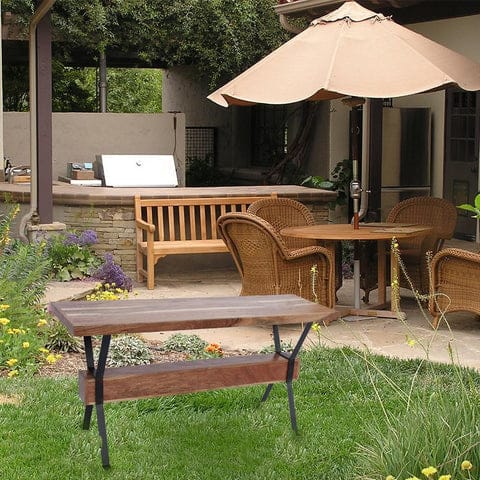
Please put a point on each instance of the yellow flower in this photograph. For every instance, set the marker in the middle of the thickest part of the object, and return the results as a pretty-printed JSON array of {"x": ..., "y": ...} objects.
[
  {"x": 412, "y": 478},
  {"x": 411, "y": 343},
  {"x": 26, "y": 344},
  {"x": 4, "y": 321},
  {"x": 12, "y": 362},
  {"x": 42, "y": 323},
  {"x": 389, "y": 477},
  {"x": 51, "y": 358},
  {"x": 43, "y": 350},
  {"x": 4, "y": 307},
  {"x": 466, "y": 465},
  {"x": 429, "y": 471},
  {"x": 12, "y": 373},
  {"x": 445, "y": 477},
  {"x": 316, "y": 327}
]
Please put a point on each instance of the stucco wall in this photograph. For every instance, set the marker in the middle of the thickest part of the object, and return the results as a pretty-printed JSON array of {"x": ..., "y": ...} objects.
[
  {"x": 183, "y": 92},
  {"x": 78, "y": 137},
  {"x": 459, "y": 34}
]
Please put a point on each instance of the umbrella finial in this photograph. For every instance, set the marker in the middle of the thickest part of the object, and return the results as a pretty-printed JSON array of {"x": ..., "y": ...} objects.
[{"x": 350, "y": 11}]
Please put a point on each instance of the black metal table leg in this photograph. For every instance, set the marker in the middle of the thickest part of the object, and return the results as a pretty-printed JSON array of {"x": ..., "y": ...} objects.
[
  {"x": 87, "y": 417},
  {"x": 290, "y": 370},
  {"x": 278, "y": 349},
  {"x": 100, "y": 370},
  {"x": 98, "y": 374}
]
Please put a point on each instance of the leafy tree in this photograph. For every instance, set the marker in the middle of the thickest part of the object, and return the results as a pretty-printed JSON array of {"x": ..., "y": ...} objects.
[
  {"x": 220, "y": 37},
  {"x": 134, "y": 90}
]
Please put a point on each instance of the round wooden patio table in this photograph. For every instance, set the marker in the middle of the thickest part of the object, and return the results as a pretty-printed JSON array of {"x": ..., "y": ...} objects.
[{"x": 379, "y": 232}]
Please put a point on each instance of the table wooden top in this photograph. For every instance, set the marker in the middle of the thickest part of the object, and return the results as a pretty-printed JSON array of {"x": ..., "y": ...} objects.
[
  {"x": 84, "y": 318},
  {"x": 345, "y": 231}
]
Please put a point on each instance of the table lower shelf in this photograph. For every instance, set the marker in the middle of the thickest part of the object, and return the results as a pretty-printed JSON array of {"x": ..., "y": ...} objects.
[{"x": 153, "y": 380}]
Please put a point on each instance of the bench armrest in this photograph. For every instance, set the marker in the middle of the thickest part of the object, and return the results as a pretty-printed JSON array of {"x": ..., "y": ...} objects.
[{"x": 145, "y": 225}]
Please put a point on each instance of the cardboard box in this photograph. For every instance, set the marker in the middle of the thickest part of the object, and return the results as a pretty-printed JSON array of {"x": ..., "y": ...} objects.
[
  {"x": 20, "y": 179},
  {"x": 82, "y": 175}
]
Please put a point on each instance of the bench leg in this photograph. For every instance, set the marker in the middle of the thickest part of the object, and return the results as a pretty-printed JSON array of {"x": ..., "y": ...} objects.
[
  {"x": 290, "y": 368},
  {"x": 291, "y": 407},
  {"x": 102, "y": 431},
  {"x": 267, "y": 392},
  {"x": 87, "y": 417},
  {"x": 98, "y": 373}
]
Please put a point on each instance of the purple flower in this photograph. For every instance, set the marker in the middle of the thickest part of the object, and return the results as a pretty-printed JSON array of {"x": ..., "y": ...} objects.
[
  {"x": 88, "y": 237},
  {"x": 110, "y": 272},
  {"x": 71, "y": 239}
]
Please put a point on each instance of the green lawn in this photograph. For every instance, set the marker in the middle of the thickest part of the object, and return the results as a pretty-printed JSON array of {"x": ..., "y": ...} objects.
[{"x": 223, "y": 434}]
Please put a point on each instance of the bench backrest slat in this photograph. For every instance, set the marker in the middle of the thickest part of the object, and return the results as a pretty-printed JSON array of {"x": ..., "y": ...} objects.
[
  {"x": 193, "y": 224},
  {"x": 161, "y": 233},
  {"x": 203, "y": 222},
  {"x": 171, "y": 222},
  {"x": 213, "y": 221},
  {"x": 188, "y": 218}
]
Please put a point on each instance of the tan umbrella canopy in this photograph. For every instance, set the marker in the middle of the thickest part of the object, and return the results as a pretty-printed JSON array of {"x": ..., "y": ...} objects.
[{"x": 352, "y": 51}]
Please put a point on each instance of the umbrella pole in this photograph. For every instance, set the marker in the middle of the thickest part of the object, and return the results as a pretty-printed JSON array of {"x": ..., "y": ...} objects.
[{"x": 355, "y": 186}]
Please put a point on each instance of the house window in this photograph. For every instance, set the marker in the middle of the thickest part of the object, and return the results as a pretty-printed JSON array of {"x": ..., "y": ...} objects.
[
  {"x": 269, "y": 134},
  {"x": 462, "y": 133}
]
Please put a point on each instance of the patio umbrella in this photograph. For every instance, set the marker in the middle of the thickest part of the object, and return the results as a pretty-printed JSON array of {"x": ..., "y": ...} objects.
[
  {"x": 351, "y": 52},
  {"x": 354, "y": 52}
]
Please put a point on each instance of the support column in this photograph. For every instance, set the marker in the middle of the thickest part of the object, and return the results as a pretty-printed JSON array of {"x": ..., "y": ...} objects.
[{"x": 44, "y": 120}]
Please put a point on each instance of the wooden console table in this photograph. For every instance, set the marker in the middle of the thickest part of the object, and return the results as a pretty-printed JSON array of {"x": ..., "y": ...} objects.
[{"x": 99, "y": 384}]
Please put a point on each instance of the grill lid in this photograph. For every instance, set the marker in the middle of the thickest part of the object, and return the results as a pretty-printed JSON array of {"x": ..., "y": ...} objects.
[{"x": 136, "y": 170}]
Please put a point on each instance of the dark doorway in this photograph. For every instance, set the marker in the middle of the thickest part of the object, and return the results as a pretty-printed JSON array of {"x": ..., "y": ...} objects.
[{"x": 462, "y": 132}]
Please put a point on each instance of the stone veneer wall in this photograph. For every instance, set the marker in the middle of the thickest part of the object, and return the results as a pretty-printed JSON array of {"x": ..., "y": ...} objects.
[{"x": 115, "y": 227}]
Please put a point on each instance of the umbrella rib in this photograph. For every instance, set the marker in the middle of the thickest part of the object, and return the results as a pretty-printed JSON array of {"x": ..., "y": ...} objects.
[{"x": 333, "y": 56}]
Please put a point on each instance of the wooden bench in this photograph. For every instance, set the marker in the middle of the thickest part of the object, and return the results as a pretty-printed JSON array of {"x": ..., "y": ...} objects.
[
  {"x": 172, "y": 226},
  {"x": 98, "y": 384}
]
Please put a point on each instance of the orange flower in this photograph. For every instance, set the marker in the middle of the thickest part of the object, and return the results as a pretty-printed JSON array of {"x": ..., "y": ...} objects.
[{"x": 214, "y": 348}]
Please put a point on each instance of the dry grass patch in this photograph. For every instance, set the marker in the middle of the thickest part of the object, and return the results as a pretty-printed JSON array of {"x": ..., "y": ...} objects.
[{"x": 10, "y": 399}]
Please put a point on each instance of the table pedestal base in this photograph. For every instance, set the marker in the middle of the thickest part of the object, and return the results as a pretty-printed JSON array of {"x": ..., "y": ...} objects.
[{"x": 365, "y": 313}]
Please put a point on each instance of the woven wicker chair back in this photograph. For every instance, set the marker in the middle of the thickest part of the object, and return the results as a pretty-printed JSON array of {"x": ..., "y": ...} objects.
[
  {"x": 435, "y": 212},
  {"x": 282, "y": 213},
  {"x": 268, "y": 267}
]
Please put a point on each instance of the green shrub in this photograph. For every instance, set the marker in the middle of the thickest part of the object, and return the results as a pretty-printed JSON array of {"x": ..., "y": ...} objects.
[
  {"x": 127, "y": 350},
  {"x": 180, "y": 342},
  {"x": 24, "y": 273},
  {"x": 59, "y": 339},
  {"x": 72, "y": 256}
]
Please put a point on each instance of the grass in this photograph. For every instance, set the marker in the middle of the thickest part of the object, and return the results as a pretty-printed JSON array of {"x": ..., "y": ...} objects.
[{"x": 222, "y": 434}]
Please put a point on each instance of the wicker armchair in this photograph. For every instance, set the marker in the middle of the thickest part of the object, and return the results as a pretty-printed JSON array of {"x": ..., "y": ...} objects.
[
  {"x": 455, "y": 283},
  {"x": 434, "y": 212},
  {"x": 281, "y": 213},
  {"x": 268, "y": 267}
]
